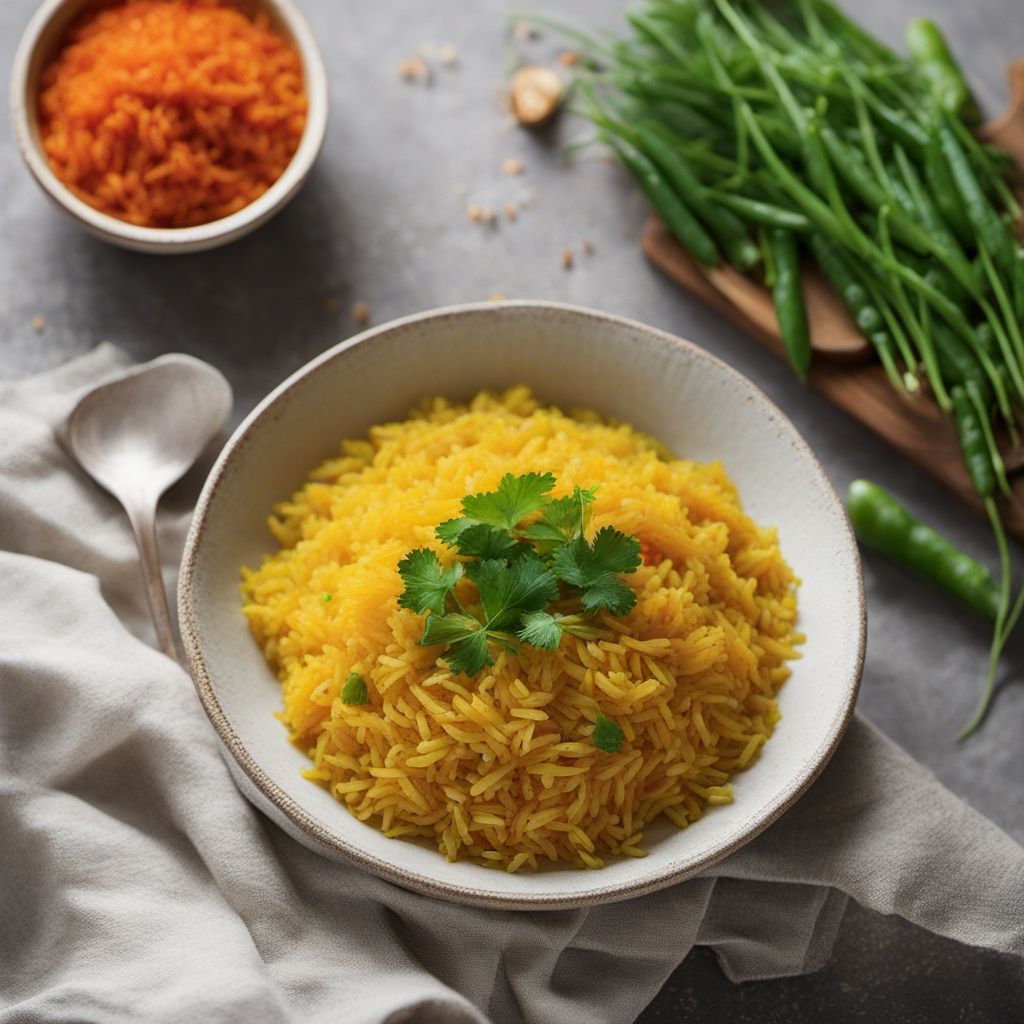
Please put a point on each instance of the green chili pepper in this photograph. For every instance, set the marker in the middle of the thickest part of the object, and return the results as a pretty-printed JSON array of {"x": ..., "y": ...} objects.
[
  {"x": 936, "y": 227},
  {"x": 883, "y": 523},
  {"x": 683, "y": 225},
  {"x": 943, "y": 192},
  {"x": 983, "y": 218},
  {"x": 973, "y": 445},
  {"x": 902, "y": 128},
  {"x": 958, "y": 363},
  {"x": 784, "y": 258},
  {"x": 729, "y": 231},
  {"x": 1018, "y": 281},
  {"x": 865, "y": 313},
  {"x": 759, "y": 212},
  {"x": 929, "y": 52}
]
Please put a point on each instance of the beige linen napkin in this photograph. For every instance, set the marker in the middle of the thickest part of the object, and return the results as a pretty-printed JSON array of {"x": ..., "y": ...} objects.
[{"x": 137, "y": 884}]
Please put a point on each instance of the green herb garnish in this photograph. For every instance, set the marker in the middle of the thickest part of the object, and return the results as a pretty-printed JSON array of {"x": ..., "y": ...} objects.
[
  {"x": 607, "y": 736},
  {"x": 595, "y": 568},
  {"x": 519, "y": 569},
  {"x": 326, "y": 597},
  {"x": 355, "y": 692}
]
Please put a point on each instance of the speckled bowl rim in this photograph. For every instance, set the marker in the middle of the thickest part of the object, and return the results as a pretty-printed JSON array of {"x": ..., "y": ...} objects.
[
  {"x": 474, "y": 895},
  {"x": 201, "y": 236}
]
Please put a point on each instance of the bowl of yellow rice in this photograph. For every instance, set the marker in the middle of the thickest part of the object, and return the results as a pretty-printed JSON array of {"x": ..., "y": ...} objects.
[{"x": 683, "y": 695}]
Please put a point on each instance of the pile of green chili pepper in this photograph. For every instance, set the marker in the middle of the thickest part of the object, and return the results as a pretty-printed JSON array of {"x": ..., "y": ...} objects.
[{"x": 767, "y": 133}]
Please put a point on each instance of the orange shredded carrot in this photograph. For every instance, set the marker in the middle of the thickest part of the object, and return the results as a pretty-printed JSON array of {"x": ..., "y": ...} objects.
[{"x": 170, "y": 113}]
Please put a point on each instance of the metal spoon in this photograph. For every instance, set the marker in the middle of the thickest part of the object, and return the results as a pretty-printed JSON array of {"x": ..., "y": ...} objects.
[{"x": 140, "y": 433}]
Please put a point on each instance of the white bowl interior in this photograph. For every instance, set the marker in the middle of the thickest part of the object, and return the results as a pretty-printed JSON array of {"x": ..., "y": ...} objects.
[
  {"x": 38, "y": 46},
  {"x": 674, "y": 391}
]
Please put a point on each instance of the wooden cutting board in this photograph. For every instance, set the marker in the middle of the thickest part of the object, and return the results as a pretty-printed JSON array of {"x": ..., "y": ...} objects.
[{"x": 843, "y": 368}]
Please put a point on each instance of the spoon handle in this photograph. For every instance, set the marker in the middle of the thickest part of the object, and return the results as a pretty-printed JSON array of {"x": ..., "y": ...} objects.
[{"x": 143, "y": 522}]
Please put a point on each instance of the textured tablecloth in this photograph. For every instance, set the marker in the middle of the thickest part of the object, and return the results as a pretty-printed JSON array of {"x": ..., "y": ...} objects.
[{"x": 137, "y": 884}]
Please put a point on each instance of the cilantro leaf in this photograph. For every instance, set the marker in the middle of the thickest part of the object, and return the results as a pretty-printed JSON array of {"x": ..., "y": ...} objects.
[
  {"x": 469, "y": 655},
  {"x": 448, "y": 629},
  {"x": 527, "y": 585},
  {"x": 427, "y": 582},
  {"x": 563, "y": 519},
  {"x": 484, "y": 541},
  {"x": 448, "y": 531},
  {"x": 465, "y": 640},
  {"x": 355, "y": 691},
  {"x": 515, "y": 498},
  {"x": 594, "y": 568},
  {"x": 484, "y": 573},
  {"x": 517, "y": 572},
  {"x": 607, "y": 736},
  {"x": 541, "y": 630}
]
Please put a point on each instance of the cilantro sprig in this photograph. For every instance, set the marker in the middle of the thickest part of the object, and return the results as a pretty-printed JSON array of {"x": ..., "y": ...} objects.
[{"x": 523, "y": 551}]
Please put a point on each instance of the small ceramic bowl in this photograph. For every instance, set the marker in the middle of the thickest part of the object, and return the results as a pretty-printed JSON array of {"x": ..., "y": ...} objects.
[
  {"x": 38, "y": 46},
  {"x": 571, "y": 357}
]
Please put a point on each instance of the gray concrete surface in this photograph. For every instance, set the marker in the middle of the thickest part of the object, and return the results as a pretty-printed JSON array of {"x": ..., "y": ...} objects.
[{"x": 382, "y": 220}]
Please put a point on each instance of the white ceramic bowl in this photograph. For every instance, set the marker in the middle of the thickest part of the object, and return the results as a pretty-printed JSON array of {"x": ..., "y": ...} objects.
[
  {"x": 38, "y": 45},
  {"x": 669, "y": 388}
]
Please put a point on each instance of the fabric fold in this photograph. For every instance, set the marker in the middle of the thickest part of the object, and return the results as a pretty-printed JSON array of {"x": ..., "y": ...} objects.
[{"x": 139, "y": 884}]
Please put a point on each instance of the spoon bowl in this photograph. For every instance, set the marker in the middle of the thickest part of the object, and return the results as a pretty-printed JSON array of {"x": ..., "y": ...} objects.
[{"x": 139, "y": 434}]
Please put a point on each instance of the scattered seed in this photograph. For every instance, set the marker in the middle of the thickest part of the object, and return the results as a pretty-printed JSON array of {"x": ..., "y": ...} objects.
[
  {"x": 488, "y": 215},
  {"x": 361, "y": 314},
  {"x": 495, "y": 297},
  {"x": 513, "y": 165},
  {"x": 586, "y": 247},
  {"x": 535, "y": 95},
  {"x": 568, "y": 58},
  {"x": 413, "y": 69},
  {"x": 474, "y": 212},
  {"x": 511, "y": 211},
  {"x": 448, "y": 55},
  {"x": 567, "y": 258},
  {"x": 524, "y": 31},
  {"x": 39, "y": 323},
  {"x": 331, "y": 304}
]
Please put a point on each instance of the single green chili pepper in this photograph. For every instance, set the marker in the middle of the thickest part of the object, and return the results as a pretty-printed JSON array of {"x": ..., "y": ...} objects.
[
  {"x": 973, "y": 445},
  {"x": 865, "y": 313},
  {"x": 1018, "y": 281},
  {"x": 759, "y": 212},
  {"x": 958, "y": 363},
  {"x": 881, "y": 522},
  {"x": 728, "y": 230},
  {"x": 784, "y": 258},
  {"x": 987, "y": 340},
  {"x": 929, "y": 51},
  {"x": 932, "y": 220},
  {"x": 900, "y": 127},
  {"x": 943, "y": 192},
  {"x": 980, "y": 402},
  {"x": 678, "y": 219},
  {"x": 983, "y": 218}
]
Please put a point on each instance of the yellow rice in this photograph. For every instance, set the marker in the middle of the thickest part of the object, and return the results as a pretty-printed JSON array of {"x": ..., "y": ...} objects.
[{"x": 501, "y": 768}]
